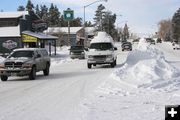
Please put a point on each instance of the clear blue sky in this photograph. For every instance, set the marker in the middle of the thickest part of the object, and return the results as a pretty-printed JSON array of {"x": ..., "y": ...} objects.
[{"x": 141, "y": 15}]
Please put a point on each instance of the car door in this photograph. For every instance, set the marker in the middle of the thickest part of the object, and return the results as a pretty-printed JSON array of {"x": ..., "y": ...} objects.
[{"x": 38, "y": 60}]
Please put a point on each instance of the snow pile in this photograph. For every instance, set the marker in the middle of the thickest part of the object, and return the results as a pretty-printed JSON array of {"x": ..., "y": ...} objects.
[
  {"x": 145, "y": 66},
  {"x": 102, "y": 37},
  {"x": 62, "y": 56}
]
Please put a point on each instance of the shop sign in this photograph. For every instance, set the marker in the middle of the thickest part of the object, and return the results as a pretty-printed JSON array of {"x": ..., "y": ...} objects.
[
  {"x": 9, "y": 44},
  {"x": 27, "y": 38}
]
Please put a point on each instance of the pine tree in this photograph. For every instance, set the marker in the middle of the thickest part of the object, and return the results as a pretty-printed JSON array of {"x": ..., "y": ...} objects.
[
  {"x": 176, "y": 26},
  {"x": 126, "y": 32},
  {"x": 29, "y": 6},
  {"x": 54, "y": 16},
  {"x": 21, "y": 8},
  {"x": 38, "y": 12},
  {"x": 98, "y": 17},
  {"x": 44, "y": 13},
  {"x": 88, "y": 24},
  {"x": 108, "y": 22}
]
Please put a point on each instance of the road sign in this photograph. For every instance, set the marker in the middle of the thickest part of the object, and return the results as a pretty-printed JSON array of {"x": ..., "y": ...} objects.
[{"x": 68, "y": 14}]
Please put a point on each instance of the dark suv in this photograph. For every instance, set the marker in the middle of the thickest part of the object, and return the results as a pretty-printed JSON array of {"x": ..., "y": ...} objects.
[
  {"x": 25, "y": 61},
  {"x": 126, "y": 46},
  {"x": 77, "y": 52}
]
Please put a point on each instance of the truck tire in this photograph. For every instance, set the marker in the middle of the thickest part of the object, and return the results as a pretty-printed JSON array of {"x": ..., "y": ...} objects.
[
  {"x": 32, "y": 75},
  {"x": 113, "y": 64},
  {"x": 4, "y": 78},
  {"x": 46, "y": 71},
  {"x": 89, "y": 66}
]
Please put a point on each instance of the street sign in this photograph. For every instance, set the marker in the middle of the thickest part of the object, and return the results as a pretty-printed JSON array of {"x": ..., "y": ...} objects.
[{"x": 68, "y": 14}]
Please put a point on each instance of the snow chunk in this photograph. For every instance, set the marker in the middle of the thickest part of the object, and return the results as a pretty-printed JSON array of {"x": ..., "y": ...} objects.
[
  {"x": 146, "y": 66},
  {"x": 102, "y": 37}
]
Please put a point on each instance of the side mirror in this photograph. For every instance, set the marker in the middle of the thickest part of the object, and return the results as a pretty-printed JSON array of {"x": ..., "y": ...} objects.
[
  {"x": 38, "y": 56},
  {"x": 115, "y": 48},
  {"x": 86, "y": 49}
]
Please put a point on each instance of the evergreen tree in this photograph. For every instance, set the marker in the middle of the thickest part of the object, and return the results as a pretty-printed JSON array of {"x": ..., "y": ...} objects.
[
  {"x": 98, "y": 17},
  {"x": 108, "y": 22},
  {"x": 88, "y": 24},
  {"x": 21, "y": 8},
  {"x": 176, "y": 26},
  {"x": 29, "y": 6},
  {"x": 54, "y": 16},
  {"x": 44, "y": 13},
  {"x": 126, "y": 32},
  {"x": 38, "y": 12}
]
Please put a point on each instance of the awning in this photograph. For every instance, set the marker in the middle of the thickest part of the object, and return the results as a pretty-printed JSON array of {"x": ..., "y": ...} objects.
[{"x": 28, "y": 36}]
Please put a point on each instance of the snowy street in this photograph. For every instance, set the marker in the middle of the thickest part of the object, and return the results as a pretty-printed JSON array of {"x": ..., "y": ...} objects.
[{"x": 74, "y": 92}]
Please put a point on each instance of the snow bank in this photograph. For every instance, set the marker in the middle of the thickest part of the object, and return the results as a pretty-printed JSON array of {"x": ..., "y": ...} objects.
[
  {"x": 145, "y": 66},
  {"x": 62, "y": 56},
  {"x": 102, "y": 37}
]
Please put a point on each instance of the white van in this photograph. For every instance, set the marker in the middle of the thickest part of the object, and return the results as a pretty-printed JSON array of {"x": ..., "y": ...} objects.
[{"x": 101, "y": 51}]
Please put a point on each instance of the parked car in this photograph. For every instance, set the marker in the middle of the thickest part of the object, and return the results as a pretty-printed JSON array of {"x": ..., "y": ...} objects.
[
  {"x": 159, "y": 40},
  {"x": 77, "y": 52},
  {"x": 150, "y": 40},
  {"x": 136, "y": 40},
  {"x": 25, "y": 62},
  {"x": 101, "y": 51},
  {"x": 126, "y": 46},
  {"x": 176, "y": 46},
  {"x": 153, "y": 42}
]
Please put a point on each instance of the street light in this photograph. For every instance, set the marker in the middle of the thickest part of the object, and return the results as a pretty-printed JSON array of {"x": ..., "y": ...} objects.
[{"x": 89, "y": 5}]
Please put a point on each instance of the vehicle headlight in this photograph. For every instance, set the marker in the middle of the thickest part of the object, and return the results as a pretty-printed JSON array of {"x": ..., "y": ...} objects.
[
  {"x": 90, "y": 56},
  {"x": 2, "y": 66},
  {"x": 109, "y": 56},
  {"x": 27, "y": 65}
]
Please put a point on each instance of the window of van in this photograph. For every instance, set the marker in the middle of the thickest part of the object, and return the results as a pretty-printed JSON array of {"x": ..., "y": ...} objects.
[{"x": 101, "y": 46}]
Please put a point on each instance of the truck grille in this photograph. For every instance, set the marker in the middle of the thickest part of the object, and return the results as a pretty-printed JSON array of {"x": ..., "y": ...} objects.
[
  {"x": 13, "y": 64},
  {"x": 99, "y": 57}
]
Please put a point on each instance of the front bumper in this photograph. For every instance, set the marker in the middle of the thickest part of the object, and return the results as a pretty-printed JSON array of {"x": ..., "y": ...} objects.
[
  {"x": 101, "y": 61},
  {"x": 15, "y": 72}
]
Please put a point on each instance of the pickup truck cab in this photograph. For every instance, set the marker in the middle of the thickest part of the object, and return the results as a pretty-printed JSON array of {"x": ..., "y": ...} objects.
[
  {"x": 25, "y": 61},
  {"x": 101, "y": 51}
]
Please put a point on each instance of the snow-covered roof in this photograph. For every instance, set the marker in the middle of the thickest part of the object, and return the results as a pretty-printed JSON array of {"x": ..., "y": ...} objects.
[
  {"x": 90, "y": 30},
  {"x": 13, "y": 14},
  {"x": 102, "y": 37},
  {"x": 73, "y": 30},
  {"x": 39, "y": 35},
  {"x": 13, "y": 31}
]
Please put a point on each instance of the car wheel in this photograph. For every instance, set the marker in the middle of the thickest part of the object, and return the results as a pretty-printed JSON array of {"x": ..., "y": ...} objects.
[
  {"x": 4, "y": 78},
  {"x": 89, "y": 66},
  {"x": 122, "y": 49},
  {"x": 113, "y": 64},
  {"x": 32, "y": 75},
  {"x": 46, "y": 71}
]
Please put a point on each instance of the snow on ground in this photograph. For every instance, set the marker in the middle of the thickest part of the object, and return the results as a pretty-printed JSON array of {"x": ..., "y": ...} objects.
[
  {"x": 62, "y": 56},
  {"x": 139, "y": 89}
]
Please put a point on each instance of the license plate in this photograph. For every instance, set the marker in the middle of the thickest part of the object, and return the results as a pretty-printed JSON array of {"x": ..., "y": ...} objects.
[{"x": 13, "y": 74}]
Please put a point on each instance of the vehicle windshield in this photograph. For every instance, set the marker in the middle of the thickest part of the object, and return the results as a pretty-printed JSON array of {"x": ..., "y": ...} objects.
[
  {"x": 77, "y": 47},
  {"x": 101, "y": 46},
  {"x": 19, "y": 54}
]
